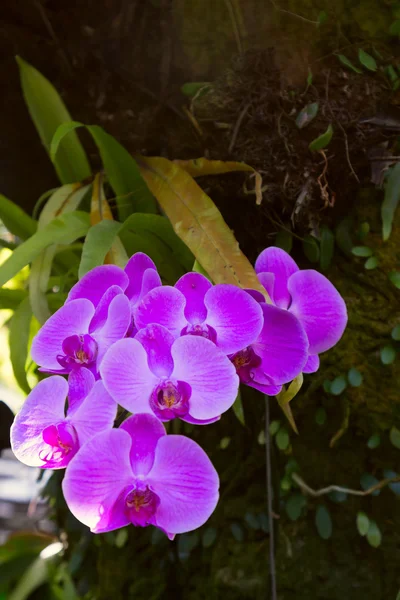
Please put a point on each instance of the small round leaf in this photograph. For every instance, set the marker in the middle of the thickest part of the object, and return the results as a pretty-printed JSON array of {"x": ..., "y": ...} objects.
[
  {"x": 323, "y": 522},
  {"x": 362, "y": 523},
  {"x": 374, "y": 535},
  {"x": 338, "y": 385},
  {"x": 355, "y": 378},
  {"x": 388, "y": 354}
]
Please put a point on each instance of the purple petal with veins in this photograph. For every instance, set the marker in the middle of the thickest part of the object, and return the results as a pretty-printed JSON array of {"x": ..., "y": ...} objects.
[{"x": 141, "y": 476}]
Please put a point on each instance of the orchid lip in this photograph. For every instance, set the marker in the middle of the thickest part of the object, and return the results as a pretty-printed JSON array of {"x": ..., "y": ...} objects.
[
  {"x": 62, "y": 440},
  {"x": 170, "y": 400},
  {"x": 244, "y": 361},
  {"x": 78, "y": 350},
  {"x": 201, "y": 330},
  {"x": 141, "y": 504}
]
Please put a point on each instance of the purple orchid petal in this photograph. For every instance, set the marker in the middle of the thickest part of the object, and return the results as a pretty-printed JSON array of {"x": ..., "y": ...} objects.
[
  {"x": 282, "y": 347},
  {"x": 185, "y": 482},
  {"x": 279, "y": 263},
  {"x": 157, "y": 342},
  {"x": 95, "y": 479},
  {"x": 193, "y": 421},
  {"x": 268, "y": 390},
  {"x": 312, "y": 364},
  {"x": 145, "y": 431},
  {"x": 71, "y": 319},
  {"x": 211, "y": 376},
  {"x": 258, "y": 297},
  {"x": 194, "y": 287},
  {"x": 143, "y": 277},
  {"x": 319, "y": 307},
  {"x": 165, "y": 306},
  {"x": 116, "y": 326},
  {"x": 80, "y": 382},
  {"x": 127, "y": 377},
  {"x": 43, "y": 408},
  {"x": 100, "y": 316},
  {"x": 95, "y": 414},
  {"x": 268, "y": 281},
  {"x": 234, "y": 315},
  {"x": 96, "y": 282}
]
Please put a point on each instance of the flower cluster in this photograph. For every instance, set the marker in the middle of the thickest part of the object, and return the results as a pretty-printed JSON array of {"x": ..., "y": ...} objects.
[{"x": 162, "y": 352}]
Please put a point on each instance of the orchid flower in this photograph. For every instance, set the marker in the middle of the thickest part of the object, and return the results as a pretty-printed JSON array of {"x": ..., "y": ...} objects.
[
  {"x": 42, "y": 435},
  {"x": 222, "y": 313},
  {"x": 309, "y": 296},
  {"x": 103, "y": 283},
  {"x": 277, "y": 356},
  {"x": 137, "y": 474},
  {"x": 189, "y": 377}
]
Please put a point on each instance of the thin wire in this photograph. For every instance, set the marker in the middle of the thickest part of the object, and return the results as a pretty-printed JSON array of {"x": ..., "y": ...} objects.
[{"x": 272, "y": 569}]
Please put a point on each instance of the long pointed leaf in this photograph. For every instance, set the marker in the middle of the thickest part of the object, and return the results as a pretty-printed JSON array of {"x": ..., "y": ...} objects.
[
  {"x": 198, "y": 167},
  {"x": 48, "y": 111},
  {"x": 391, "y": 200},
  {"x": 18, "y": 342},
  {"x": 124, "y": 176},
  {"x": 286, "y": 395},
  {"x": 64, "y": 230},
  {"x": 15, "y": 219},
  {"x": 64, "y": 200},
  {"x": 198, "y": 222}
]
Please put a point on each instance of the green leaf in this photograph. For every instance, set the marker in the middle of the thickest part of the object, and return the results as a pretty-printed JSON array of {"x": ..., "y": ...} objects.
[
  {"x": 343, "y": 235},
  {"x": 286, "y": 395},
  {"x": 327, "y": 386},
  {"x": 374, "y": 441},
  {"x": 209, "y": 537},
  {"x": 35, "y": 576},
  {"x": 355, "y": 378},
  {"x": 197, "y": 268},
  {"x": 396, "y": 333},
  {"x": 394, "y": 28},
  {"x": 122, "y": 537},
  {"x": 252, "y": 521},
  {"x": 65, "y": 199},
  {"x": 48, "y": 111},
  {"x": 19, "y": 334},
  {"x": 327, "y": 247},
  {"x": 338, "y": 385},
  {"x": 63, "y": 230},
  {"x": 311, "y": 248},
  {"x": 11, "y": 299},
  {"x": 323, "y": 522},
  {"x": 63, "y": 130},
  {"x": 238, "y": 408},
  {"x": 367, "y": 481},
  {"x": 132, "y": 193},
  {"x": 192, "y": 88},
  {"x": 394, "y": 437},
  {"x": 371, "y": 263},
  {"x": 282, "y": 439},
  {"x": 322, "y": 18},
  {"x": 394, "y": 277},
  {"x": 362, "y": 251},
  {"x": 322, "y": 141},
  {"x": 367, "y": 60},
  {"x": 388, "y": 354},
  {"x": 294, "y": 506},
  {"x": 97, "y": 244},
  {"x": 374, "y": 535},
  {"x": 274, "y": 427},
  {"x": 15, "y": 219},
  {"x": 390, "y": 201},
  {"x": 307, "y": 114},
  {"x": 320, "y": 416},
  {"x": 237, "y": 532},
  {"x": 363, "y": 230},
  {"x": 284, "y": 240},
  {"x": 347, "y": 63},
  {"x": 362, "y": 523}
]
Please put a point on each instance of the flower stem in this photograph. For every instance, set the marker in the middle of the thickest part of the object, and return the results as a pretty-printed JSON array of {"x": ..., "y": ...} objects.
[{"x": 272, "y": 569}]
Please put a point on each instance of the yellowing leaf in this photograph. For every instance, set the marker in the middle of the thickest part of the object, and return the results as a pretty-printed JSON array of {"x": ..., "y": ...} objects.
[
  {"x": 100, "y": 211},
  {"x": 198, "y": 222},
  {"x": 199, "y": 167},
  {"x": 286, "y": 395}
]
